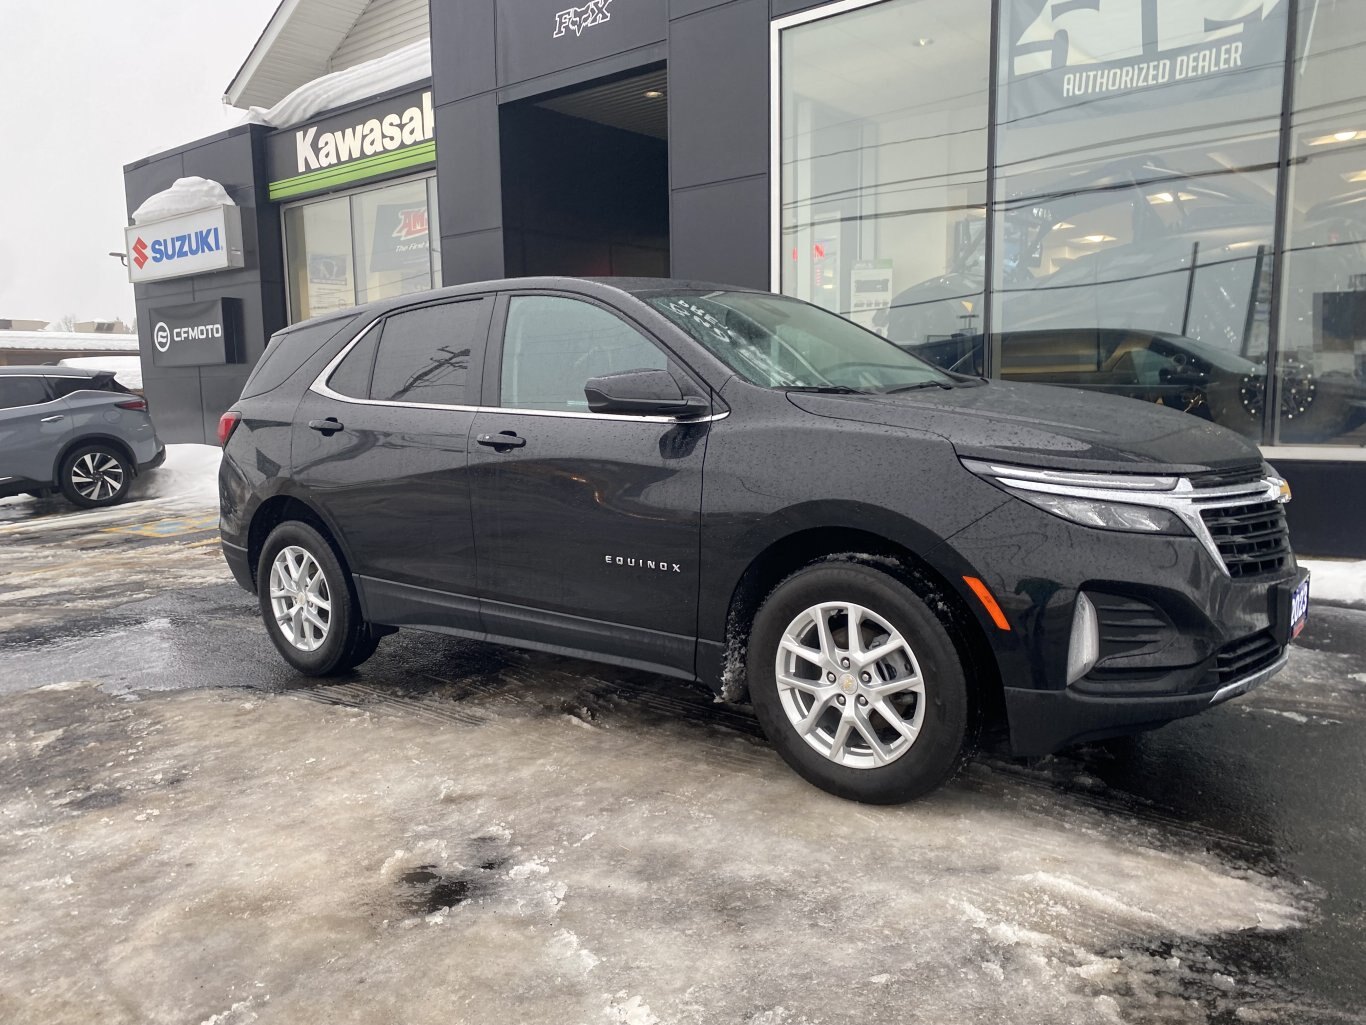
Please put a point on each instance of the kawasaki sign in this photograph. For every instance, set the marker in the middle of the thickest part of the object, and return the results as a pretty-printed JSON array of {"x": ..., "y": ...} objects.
[
  {"x": 177, "y": 247},
  {"x": 377, "y": 139}
]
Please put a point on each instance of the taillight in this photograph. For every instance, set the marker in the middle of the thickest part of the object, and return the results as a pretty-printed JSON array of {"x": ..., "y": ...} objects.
[
  {"x": 227, "y": 423},
  {"x": 137, "y": 405}
]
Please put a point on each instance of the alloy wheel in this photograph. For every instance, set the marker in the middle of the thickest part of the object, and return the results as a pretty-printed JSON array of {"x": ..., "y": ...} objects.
[
  {"x": 97, "y": 476},
  {"x": 850, "y": 685},
  {"x": 300, "y": 599}
]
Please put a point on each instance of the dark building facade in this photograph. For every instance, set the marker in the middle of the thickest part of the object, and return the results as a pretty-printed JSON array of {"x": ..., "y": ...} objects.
[{"x": 1164, "y": 199}]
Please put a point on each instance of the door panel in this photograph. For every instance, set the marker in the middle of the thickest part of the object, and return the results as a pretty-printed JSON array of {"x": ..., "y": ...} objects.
[
  {"x": 391, "y": 473},
  {"x": 592, "y": 521},
  {"x": 33, "y": 429}
]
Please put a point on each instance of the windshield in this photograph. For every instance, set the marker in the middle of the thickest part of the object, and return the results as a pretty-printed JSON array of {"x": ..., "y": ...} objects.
[{"x": 776, "y": 342}]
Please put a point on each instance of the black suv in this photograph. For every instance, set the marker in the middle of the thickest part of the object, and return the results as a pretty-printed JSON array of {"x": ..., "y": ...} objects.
[{"x": 740, "y": 488}]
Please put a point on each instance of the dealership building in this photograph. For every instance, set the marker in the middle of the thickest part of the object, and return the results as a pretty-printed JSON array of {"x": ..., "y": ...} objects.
[{"x": 1164, "y": 199}]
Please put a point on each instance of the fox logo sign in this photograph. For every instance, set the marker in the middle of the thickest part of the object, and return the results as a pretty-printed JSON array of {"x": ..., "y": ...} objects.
[{"x": 576, "y": 19}]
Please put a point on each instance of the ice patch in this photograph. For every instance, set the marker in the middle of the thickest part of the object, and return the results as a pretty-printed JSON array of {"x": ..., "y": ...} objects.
[
  {"x": 622, "y": 1010},
  {"x": 567, "y": 946}
]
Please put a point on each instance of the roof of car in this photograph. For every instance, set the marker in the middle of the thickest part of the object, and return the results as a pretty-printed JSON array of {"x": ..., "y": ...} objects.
[
  {"x": 587, "y": 286},
  {"x": 50, "y": 372}
]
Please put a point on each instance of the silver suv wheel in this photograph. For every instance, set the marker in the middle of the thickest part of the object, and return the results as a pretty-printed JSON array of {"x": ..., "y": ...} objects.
[
  {"x": 300, "y": 598},
  {"x": 97, "y": 476},
  {"x": 850, "y": 685}
]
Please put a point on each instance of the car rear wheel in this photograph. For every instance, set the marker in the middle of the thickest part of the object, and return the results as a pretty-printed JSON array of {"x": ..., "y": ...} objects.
[
  {"x": 859, "y": 685},
  {"x": 96, "y": 475},
  {"x": 308, "y": 603}
]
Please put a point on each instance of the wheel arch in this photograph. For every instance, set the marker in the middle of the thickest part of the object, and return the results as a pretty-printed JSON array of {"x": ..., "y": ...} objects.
[
  {"x": 281, "y": 508},
  {"x": 92, "y": 439},
  {"x": 812, "y": 544}
]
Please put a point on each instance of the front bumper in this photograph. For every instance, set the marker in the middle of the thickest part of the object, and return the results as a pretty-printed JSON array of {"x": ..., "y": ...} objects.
[{"x": 1178, "y": 634}]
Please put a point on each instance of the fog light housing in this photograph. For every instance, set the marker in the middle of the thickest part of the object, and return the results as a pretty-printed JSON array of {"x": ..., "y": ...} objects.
[{"x": 1083, "y": 649}]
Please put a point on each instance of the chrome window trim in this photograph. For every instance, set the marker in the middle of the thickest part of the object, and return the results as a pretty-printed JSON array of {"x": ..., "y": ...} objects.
[
  {"x": 320, "y": 387},
  {"x": 1247, "y": 683},
  {"x": 1184, "y": 501}
]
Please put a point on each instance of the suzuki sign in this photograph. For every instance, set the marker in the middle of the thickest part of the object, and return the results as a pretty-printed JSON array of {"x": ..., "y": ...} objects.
[{"x": 176, "y": 247}]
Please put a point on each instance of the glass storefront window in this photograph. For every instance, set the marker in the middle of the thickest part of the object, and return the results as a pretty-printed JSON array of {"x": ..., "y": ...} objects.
[
  {"x": 318, "y": 248},
  {"x": 1322, "y": 350},
  {"x": 373, "y": 244},
  {"x": 884, "y": 152},
  {"x": 393, "y": 254},
  {"x": 1137, "y": 149}
]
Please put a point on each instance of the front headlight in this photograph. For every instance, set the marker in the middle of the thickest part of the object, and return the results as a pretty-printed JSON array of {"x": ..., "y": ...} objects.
[
  {"x": 1106, "y": 501},
  {"x": 1106, "y": 515}
]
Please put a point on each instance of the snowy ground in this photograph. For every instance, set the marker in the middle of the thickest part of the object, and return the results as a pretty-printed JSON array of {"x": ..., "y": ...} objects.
[{"x": 459, "y": 834}]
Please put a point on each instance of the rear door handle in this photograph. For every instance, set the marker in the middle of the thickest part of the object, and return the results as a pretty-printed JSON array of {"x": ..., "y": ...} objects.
[
  {"x": 51, "y": 419},
  {"x": 507, "y": 439},
  {"x": 327, "y": 427}
]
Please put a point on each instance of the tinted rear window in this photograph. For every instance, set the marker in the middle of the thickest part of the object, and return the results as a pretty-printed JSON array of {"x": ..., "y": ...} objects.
[
  {"x": 22, "y": 391},
  {"x": 64, "y": 386},
  {"x": 290, "y": 350}
]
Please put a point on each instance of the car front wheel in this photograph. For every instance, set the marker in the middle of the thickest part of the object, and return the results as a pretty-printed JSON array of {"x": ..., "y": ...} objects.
[
  {"x": 95, "y": 476},
  {"x": 858, "y": 684},
  {"x": 309, "y": 604}
]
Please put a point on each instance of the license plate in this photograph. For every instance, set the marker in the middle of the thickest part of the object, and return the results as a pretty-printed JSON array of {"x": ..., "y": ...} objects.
[{"x": 1299, "y": 609}]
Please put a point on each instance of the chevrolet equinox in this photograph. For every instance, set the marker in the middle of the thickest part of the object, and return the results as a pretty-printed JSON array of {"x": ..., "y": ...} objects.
[{"x": 725, "y": 485}]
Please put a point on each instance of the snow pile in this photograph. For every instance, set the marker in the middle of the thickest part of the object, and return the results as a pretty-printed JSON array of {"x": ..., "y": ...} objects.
[
  {"x": 1336, "y": 580},
  {"x": 185, "y": 196},
  {"x": 127, "y": 370},
  {"x": 189, "y": 476},
  {"x": 404, "y": 66}
]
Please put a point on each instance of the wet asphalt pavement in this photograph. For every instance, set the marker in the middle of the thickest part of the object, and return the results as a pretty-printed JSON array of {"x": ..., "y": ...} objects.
[{"x": 1273, "y": 784}]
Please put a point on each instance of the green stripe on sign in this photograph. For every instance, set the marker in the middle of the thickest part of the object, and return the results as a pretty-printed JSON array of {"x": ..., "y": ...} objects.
[{"x": 356, "y": 170}]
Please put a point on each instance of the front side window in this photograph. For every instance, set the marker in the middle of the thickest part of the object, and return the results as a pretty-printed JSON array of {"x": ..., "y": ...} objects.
[
  {"x": 424, "y": 354},
  {"x": 783, "y": 343},
  {"x": 22, "y": 391},
  {"x": 553, "y": 346}
]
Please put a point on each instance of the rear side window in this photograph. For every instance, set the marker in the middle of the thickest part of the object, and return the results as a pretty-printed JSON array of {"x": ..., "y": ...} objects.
[
  {"x": 22, "y": 391},
  {"x": 64, "y": 386},
  {"x": 352, "y": 376},
  {"x": 424, "y": 354},
  {"x": 290, "y": 350}
]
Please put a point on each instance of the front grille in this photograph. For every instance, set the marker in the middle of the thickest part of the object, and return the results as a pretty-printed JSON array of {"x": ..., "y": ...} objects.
[
  {"x": 1252, "y": 539},
  {"x": 1244, "y": 657}
]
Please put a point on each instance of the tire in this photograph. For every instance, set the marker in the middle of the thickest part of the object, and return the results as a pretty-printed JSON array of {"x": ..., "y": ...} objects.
[
  {"x": 95, "y": 476},
  {"x": 921, "y": 682},
  {"x": 324, "y": 612}
]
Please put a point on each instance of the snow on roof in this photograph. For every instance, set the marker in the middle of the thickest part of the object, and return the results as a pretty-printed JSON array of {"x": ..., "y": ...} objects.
[
  {"x": 296, "y": 45},
  {"x": 185, "y": 196},
  {"x": 404, "y": 66},
  {"x": 68, "y": 341}
]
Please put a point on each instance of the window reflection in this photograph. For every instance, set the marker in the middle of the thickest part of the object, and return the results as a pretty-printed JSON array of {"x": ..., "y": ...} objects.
[
  {"x": 884, "y": 115},
  {"x": 1322, "y": 362}
]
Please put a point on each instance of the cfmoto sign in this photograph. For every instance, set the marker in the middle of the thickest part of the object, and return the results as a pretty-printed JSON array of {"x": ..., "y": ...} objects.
[{"x": 196, "y": 334}]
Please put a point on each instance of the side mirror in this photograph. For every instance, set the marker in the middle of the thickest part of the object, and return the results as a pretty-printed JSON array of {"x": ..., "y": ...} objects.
[{"x": 643, "y": 393}]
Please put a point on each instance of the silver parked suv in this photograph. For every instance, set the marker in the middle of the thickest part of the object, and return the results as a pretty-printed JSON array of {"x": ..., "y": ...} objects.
[{"x": 77, "y": 431}]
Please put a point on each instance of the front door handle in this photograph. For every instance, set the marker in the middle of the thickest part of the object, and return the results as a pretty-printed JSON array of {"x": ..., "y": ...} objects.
[
  {"x": 507, "y": 439},
  {"x": 51, "y": 419},
  {"x": 327, "y": 427}
]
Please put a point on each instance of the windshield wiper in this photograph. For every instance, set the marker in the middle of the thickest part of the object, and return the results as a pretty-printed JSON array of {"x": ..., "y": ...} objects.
[
  {"x": 946, "y": 385},
  {"x": 826, "y": 389}
]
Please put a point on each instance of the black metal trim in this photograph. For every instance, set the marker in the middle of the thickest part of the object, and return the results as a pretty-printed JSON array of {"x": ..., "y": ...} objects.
[
  {"x": 989, "y": 250},
  {"x": 1271, "y": 407}
]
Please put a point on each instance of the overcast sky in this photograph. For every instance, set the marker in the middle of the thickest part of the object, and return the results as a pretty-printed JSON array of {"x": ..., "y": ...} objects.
[{"x": 87, "y": 86}]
